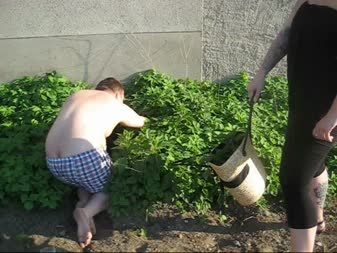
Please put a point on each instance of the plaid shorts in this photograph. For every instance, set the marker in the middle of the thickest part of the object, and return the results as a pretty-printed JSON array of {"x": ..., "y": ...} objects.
[{"x": 90, "y": 170}]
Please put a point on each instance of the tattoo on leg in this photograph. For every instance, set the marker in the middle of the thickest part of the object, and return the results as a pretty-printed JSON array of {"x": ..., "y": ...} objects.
[{"x": 320, "y": 194}]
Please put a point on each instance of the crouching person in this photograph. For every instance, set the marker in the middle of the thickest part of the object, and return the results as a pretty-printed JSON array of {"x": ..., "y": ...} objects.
[{"x": 76, "y": 147}]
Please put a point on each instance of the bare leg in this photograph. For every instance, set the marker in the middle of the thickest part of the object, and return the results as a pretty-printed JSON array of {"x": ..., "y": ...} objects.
[
  {"x": 84, "y": 197},
  {"x": 96, "y": 204},
  {"x": 302, "y": 240},
  {"x": 320, "y": 189},
  {"x": 84, "y": 233}
]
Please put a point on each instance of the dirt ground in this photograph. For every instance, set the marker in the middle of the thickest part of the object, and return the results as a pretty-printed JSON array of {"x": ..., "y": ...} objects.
[{"x": 166, "y": 230}]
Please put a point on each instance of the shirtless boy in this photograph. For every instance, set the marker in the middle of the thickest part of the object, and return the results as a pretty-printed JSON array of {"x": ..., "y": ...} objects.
[{"x": 76, "y": 147}]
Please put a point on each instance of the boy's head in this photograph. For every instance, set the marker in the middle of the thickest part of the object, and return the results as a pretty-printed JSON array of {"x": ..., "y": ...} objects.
[{"x": 110, "y": 84}]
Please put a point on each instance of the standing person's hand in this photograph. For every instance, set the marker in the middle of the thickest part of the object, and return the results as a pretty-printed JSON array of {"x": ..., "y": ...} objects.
[
  {"x": 324, "y": 127},
  {"x": 256, "y": 85}
]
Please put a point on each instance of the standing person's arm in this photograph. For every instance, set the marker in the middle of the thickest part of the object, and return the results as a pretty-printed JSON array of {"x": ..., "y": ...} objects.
[
  {"x": 276, "y": 52},
  {"x": 324, "y": 127}
]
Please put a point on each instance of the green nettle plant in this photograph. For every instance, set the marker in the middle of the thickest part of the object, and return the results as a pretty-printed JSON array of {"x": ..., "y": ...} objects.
[
  {"x": 166, "y": 160},
  {"x": 28, "y": 108},
  {"x": 187, "y": 119}
]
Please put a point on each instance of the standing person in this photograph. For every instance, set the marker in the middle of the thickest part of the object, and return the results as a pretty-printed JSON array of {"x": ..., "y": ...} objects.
[
  {"x": 76, "y": 147},
  {"x": 309, "y": 39}
]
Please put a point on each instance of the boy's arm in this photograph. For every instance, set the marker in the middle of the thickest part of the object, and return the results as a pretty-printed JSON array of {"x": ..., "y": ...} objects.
[{"x": 130, "y": 118}]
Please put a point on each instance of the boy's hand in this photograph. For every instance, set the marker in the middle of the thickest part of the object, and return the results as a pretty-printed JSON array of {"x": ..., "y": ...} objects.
[{"x": 145, "y": 120}]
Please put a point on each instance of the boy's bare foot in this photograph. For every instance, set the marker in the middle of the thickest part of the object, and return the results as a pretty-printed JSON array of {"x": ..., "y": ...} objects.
[
  {"x": 92, "y": 226},
  {"x": 83, "y": 227},
  {"x": 81, "y": 204}
]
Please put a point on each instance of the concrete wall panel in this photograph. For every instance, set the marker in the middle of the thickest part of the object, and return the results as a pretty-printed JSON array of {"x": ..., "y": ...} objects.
[
  {"x": 37, "y": 18},
  {"x": 88, "y": 39},
  {"x": 93, "y": 57},
  {"x": 238, "y": 33}
]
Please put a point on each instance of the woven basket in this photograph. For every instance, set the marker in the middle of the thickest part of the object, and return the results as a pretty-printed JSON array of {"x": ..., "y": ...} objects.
[{"x": 243, "y": 174}]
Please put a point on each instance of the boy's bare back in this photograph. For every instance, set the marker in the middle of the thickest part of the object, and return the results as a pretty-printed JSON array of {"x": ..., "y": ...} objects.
[{"x": 85, "y": 120}]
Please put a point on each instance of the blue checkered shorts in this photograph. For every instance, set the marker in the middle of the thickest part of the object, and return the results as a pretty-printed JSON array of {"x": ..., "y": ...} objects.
[{"x": 90, "y": 170}]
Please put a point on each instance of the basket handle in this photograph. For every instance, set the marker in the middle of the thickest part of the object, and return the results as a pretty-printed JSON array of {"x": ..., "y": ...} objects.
[{"x": 249, "y": 124}]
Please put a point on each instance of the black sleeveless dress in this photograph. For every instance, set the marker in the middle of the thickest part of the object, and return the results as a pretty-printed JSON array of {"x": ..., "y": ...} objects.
[
  {"x": 312, "y": 59},
  {"x": 312, "y": 80}
]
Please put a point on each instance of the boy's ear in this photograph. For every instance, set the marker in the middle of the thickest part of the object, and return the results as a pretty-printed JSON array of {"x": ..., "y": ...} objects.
[{"x": 119, "y": 96}]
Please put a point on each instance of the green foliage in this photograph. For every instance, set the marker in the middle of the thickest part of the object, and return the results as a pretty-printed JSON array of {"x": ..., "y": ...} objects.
[
  {"x": 189, "y": 118},
  {"x": 142, "y": 232},
  {"x": 28, "y": 108},
  {"x": 186, "y": 119},
  {"x": 332, "y": 164},
  {"x": 166, "y": 160},
  {"x": 269, "y": 127}
]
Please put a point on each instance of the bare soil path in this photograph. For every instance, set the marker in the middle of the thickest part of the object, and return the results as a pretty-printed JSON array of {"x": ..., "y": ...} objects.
[{"x": 166, "y": 230}]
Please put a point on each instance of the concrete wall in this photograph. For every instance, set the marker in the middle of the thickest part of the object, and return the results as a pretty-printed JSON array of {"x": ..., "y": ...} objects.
[
  {"x": 92, "y": 39},
  {"x": 238, "y": 33}
]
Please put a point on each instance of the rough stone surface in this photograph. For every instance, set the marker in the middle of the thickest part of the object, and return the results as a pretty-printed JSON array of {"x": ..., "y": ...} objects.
[
  {"x": 78, "y": 17},
  {"x": 87, "y": 40},
  {"x": 93, "y": 57},
  {"x": 238, "y": 33}
]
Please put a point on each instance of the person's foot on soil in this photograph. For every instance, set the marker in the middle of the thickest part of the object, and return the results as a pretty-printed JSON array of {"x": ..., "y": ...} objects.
[
  {"x": 321, "y": 227},
  {"x": 84, "y": 233},
  {"x": 81, "y": 204}
]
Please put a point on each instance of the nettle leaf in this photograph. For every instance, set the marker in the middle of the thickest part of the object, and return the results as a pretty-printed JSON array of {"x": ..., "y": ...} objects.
[
  {"x": 166, "y": 159},
  {"x": 190, "y": 118},
  {"x": 29, "y": 107}
]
